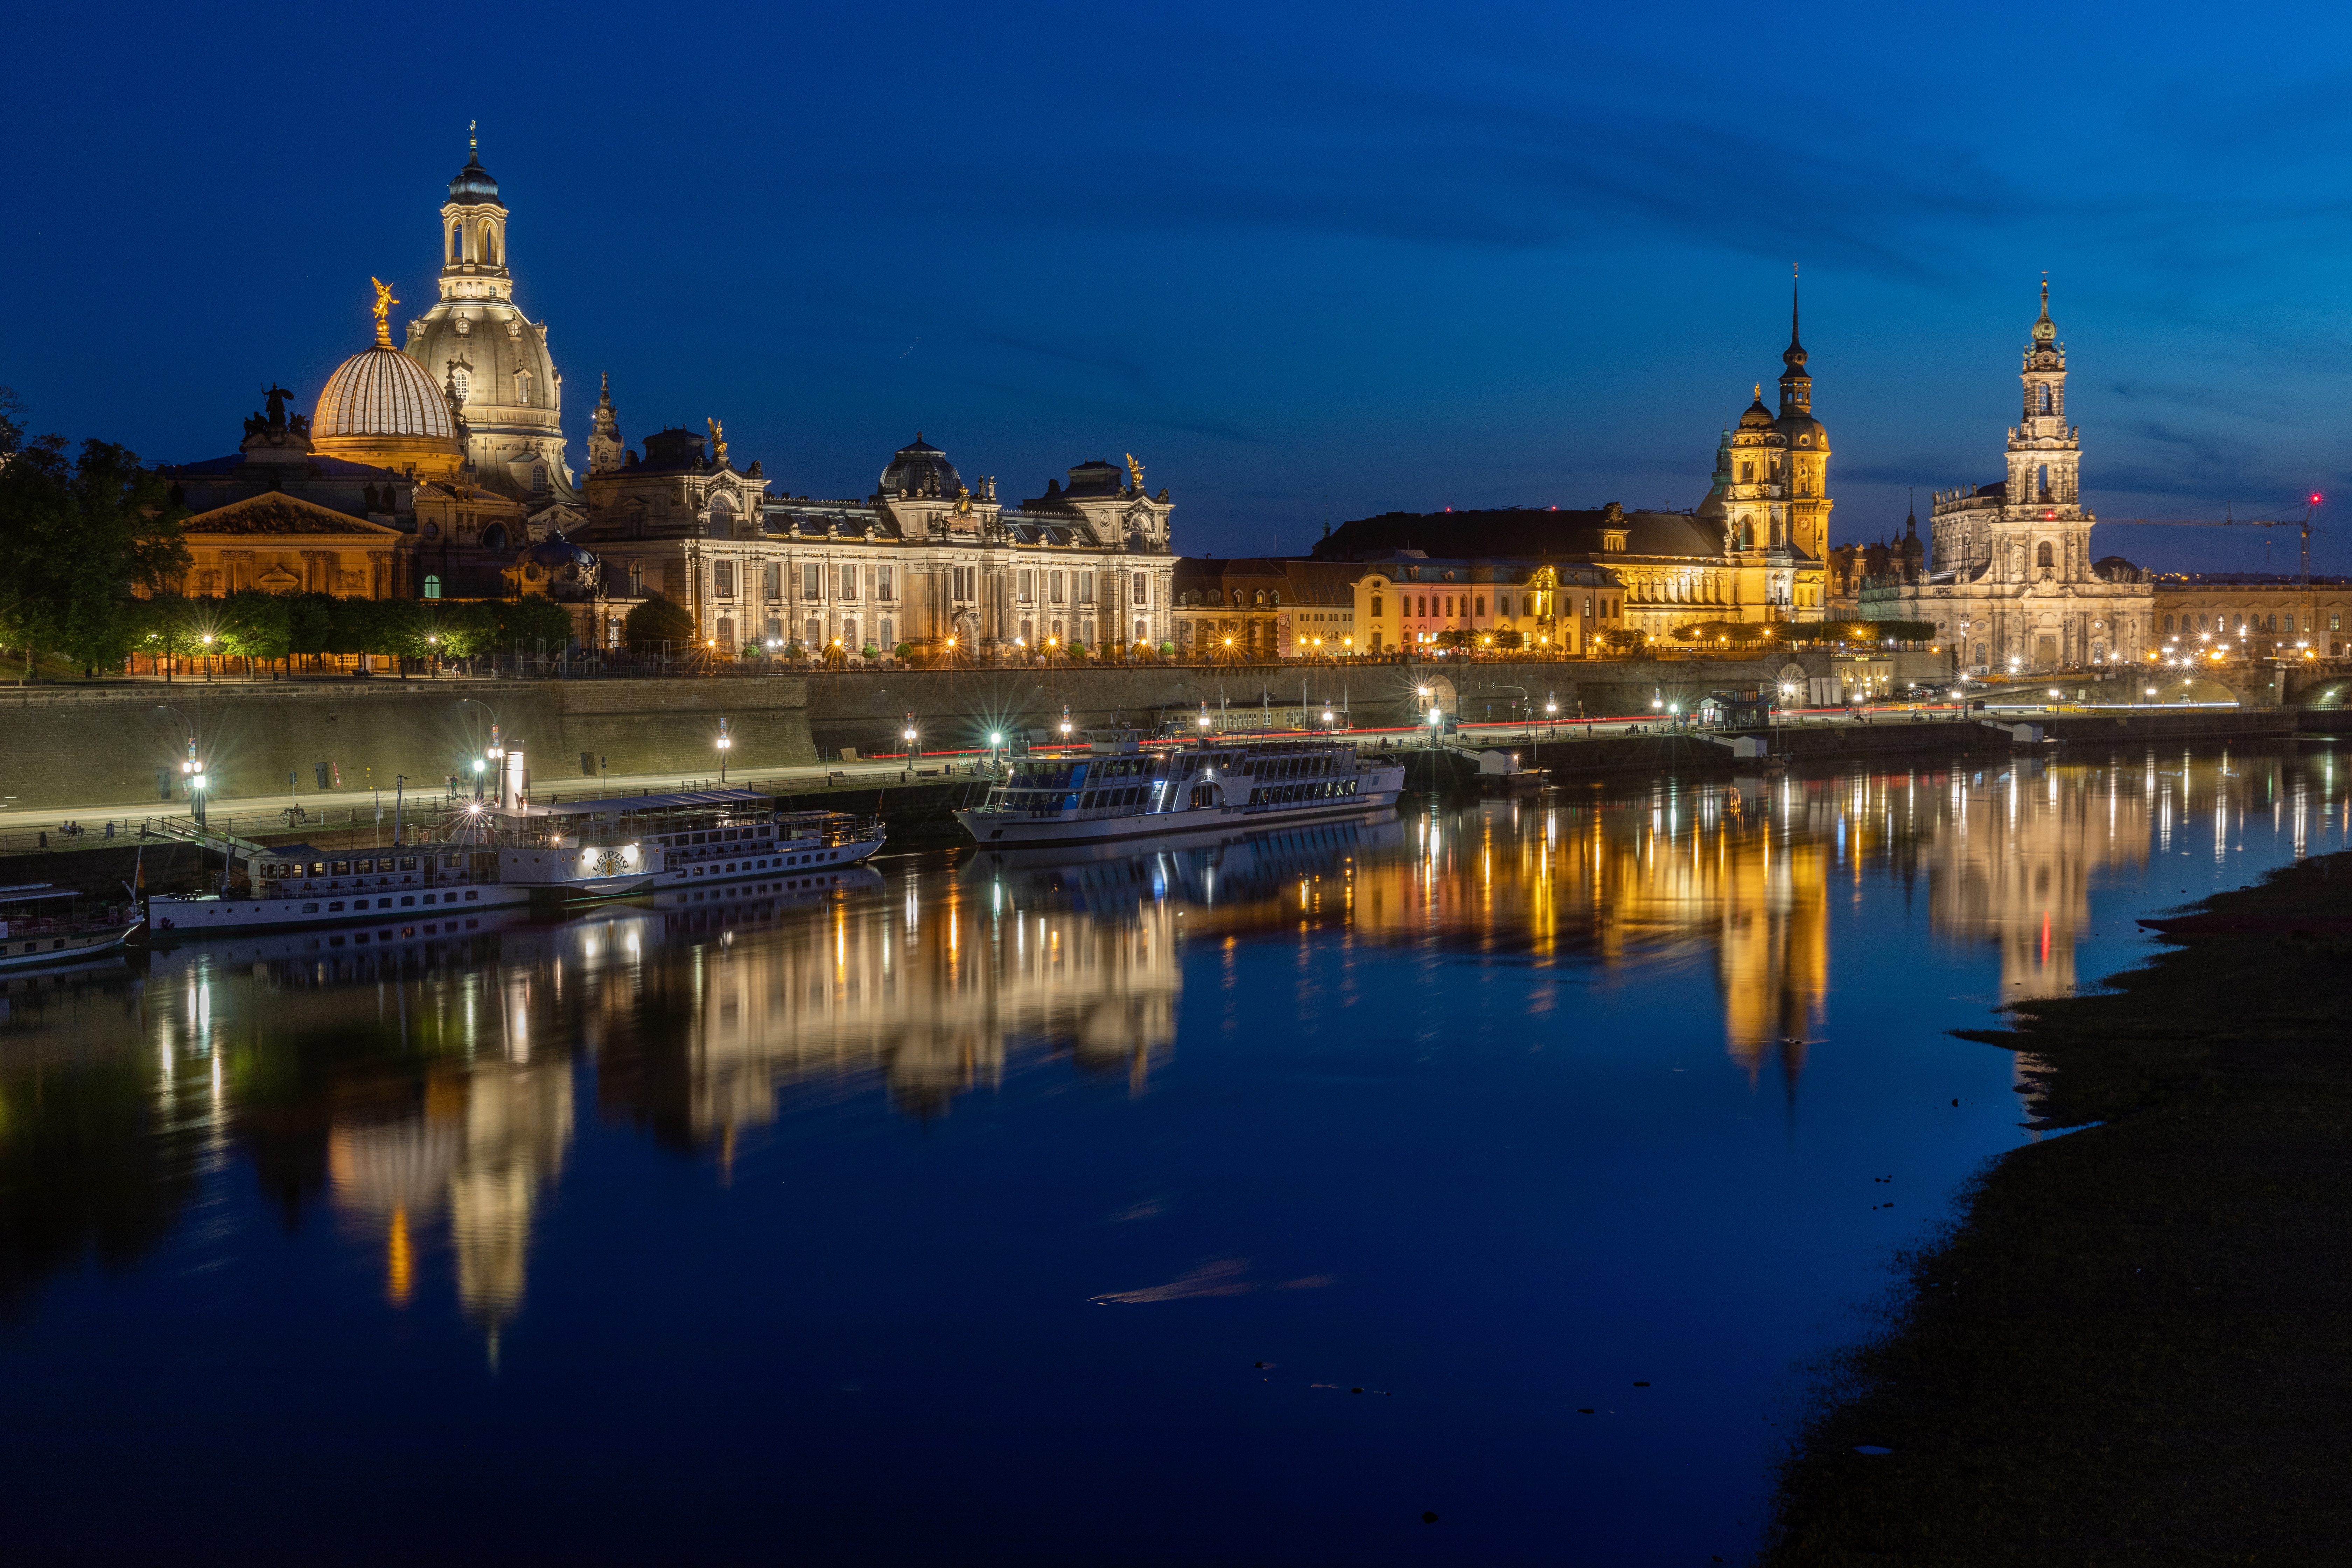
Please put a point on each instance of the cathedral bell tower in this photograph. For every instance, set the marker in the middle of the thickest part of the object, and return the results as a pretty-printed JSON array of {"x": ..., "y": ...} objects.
[{"x": 2044, "y": 535}]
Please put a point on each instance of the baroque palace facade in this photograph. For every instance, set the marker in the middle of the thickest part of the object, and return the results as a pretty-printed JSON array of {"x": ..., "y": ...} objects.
[{"x": 926, "y": 559}]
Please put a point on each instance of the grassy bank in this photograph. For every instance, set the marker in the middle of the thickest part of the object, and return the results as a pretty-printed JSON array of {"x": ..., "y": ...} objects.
[{"x": 2137, "y": 1344}]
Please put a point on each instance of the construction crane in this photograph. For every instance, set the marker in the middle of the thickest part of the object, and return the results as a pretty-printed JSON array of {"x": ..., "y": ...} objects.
[{"x": 2304, "y": 606}]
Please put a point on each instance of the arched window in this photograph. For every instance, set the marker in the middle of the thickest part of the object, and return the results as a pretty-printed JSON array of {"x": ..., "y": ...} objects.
[
  {"x": 432, "y": 587},
  {"x": 2041, "y": 554},
  {"x": 463, "y": 380},
  {"x": 522, "y": 387},
  {"x": 457, "y": 243},
  {"x": 489, "y": 245},
  {"x": 494, "y": 536},
  {"x": 539, "y": 478},
  {"x": 1376, "y": 606}
]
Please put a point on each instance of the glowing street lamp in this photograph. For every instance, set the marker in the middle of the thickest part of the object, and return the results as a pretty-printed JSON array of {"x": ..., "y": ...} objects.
[
  {"x": 726, "y": 744},
  {"x": 1066, "y": 723}
]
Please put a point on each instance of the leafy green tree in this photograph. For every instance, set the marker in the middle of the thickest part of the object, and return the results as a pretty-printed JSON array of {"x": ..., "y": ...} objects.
[
  {"x": 77, "y": 541},
  {"x": 533, "y": 620},
  {"x": 658, "y": 621},
  {"x": 257, "y": 625}
]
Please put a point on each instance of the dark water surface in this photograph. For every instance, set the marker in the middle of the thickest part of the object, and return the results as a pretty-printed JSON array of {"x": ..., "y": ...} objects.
[{"x": 948, "y": 1212}]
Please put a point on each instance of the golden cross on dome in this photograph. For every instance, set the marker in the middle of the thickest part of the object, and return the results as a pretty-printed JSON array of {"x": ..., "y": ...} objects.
[{"x": 384, "y": 305}]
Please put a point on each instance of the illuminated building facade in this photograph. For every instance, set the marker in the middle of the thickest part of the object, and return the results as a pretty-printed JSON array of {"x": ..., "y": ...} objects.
[{"x": 2011, "y": 585}]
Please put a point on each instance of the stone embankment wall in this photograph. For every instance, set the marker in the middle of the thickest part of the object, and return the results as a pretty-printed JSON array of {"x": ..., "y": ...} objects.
[
  {"x": 69, "y": 748},
  {"x": 66, "y": 747},
  {"x": 957, "y": 708}
]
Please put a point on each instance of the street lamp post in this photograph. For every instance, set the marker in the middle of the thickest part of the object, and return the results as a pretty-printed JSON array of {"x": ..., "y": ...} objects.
[{"x": 726, "y": 742}]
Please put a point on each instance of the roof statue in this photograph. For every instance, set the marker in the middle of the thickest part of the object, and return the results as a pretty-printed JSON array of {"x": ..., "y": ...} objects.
[
  {"x": 718, "y": 441},
  {"x": 1135, "y": 469},
  {"x": 384, "y": 305}
]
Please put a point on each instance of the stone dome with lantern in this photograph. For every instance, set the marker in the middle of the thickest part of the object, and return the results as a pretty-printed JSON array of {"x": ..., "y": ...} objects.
[{"x": 490, "y": 359}]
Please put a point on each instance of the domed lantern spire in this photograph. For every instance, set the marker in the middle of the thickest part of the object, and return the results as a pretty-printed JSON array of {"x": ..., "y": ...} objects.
[{"x": 2045, "y": 331}]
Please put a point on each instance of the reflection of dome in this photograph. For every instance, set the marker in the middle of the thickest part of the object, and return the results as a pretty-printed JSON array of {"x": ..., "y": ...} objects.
[
  {"x": 564, "y": 568},
  {"x": 920, "y": 469},
  {"x": 382, "y": 392},
  {"x": 474, "y": 184}
]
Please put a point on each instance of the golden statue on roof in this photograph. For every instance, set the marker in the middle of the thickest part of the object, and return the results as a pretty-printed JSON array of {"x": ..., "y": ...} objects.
[
  {"x": 718, "y": 438},
  {"x": 1136, "y": 469},
  {"x": 384, "y": 305}
]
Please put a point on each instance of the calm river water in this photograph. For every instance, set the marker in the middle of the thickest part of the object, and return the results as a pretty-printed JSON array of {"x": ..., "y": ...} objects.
[{"x": 1237, "y": 1203}]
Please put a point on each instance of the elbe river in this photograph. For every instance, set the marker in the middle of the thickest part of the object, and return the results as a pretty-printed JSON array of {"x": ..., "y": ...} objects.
[{"x": 1243, "y": 1202}]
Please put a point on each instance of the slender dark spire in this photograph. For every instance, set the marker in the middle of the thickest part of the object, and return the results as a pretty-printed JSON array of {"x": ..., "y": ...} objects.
[{"x": 1796, "y": 381}]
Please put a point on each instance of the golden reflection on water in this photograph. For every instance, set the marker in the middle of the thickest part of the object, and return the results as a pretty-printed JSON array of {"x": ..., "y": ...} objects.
[{"x": 427, "y": 1088}]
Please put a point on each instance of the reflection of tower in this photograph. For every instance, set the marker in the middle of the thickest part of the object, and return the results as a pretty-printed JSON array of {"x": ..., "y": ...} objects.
[
  {"x": 517, "y": 1125},
  {"x": 481, "y": 1145},
  {"x": 1773, "y": 955},
  {"x": 2016, "y": 860}
]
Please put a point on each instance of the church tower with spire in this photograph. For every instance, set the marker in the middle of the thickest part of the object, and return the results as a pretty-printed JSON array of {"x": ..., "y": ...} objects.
[
  {"x": 2014, "y": 587},
  {"x": 1808, "y": 447}
]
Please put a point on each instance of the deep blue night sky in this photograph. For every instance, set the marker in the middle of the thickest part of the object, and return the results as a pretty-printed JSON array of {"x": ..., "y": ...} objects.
[{"x": 1293, "y": 259}]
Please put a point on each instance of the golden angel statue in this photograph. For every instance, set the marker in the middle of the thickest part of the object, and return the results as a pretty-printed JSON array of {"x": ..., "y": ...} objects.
[
  {"x": 1134, "y": 470},
  {"x": 718, "y": 439},
  {"x": 384, "y": 305}
]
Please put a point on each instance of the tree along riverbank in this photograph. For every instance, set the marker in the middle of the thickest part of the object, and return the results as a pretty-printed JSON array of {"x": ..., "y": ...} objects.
[{"x": 2136, "y": 1345}]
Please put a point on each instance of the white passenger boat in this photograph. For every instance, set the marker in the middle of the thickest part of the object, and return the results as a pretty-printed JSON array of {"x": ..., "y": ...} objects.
[
  {"x": 488, "y": 856},
  {"x": 1119, "y": 789},
  {"x": 32, "y": 940},
  {"x": 269, "y": 886},
  {"x": 661, "y": 842}
]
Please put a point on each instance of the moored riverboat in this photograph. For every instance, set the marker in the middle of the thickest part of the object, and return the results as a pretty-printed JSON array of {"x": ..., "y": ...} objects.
[
  {"x": 656, "y": 843},
  {"x": 1119, "y": 789},
  {"x": 40, "y": 930}
]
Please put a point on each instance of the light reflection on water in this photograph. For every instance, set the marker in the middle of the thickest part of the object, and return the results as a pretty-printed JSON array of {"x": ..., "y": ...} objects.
[{"x": 434, "y": 1095}]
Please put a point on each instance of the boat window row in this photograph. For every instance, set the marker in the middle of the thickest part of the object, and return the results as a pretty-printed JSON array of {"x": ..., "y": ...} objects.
[
  {"x": 716, "y": 835},
  {"x": 407, "y": 902},
  {"x": 385, "y": 864},
  {"x": 1292, "y": 793}
]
